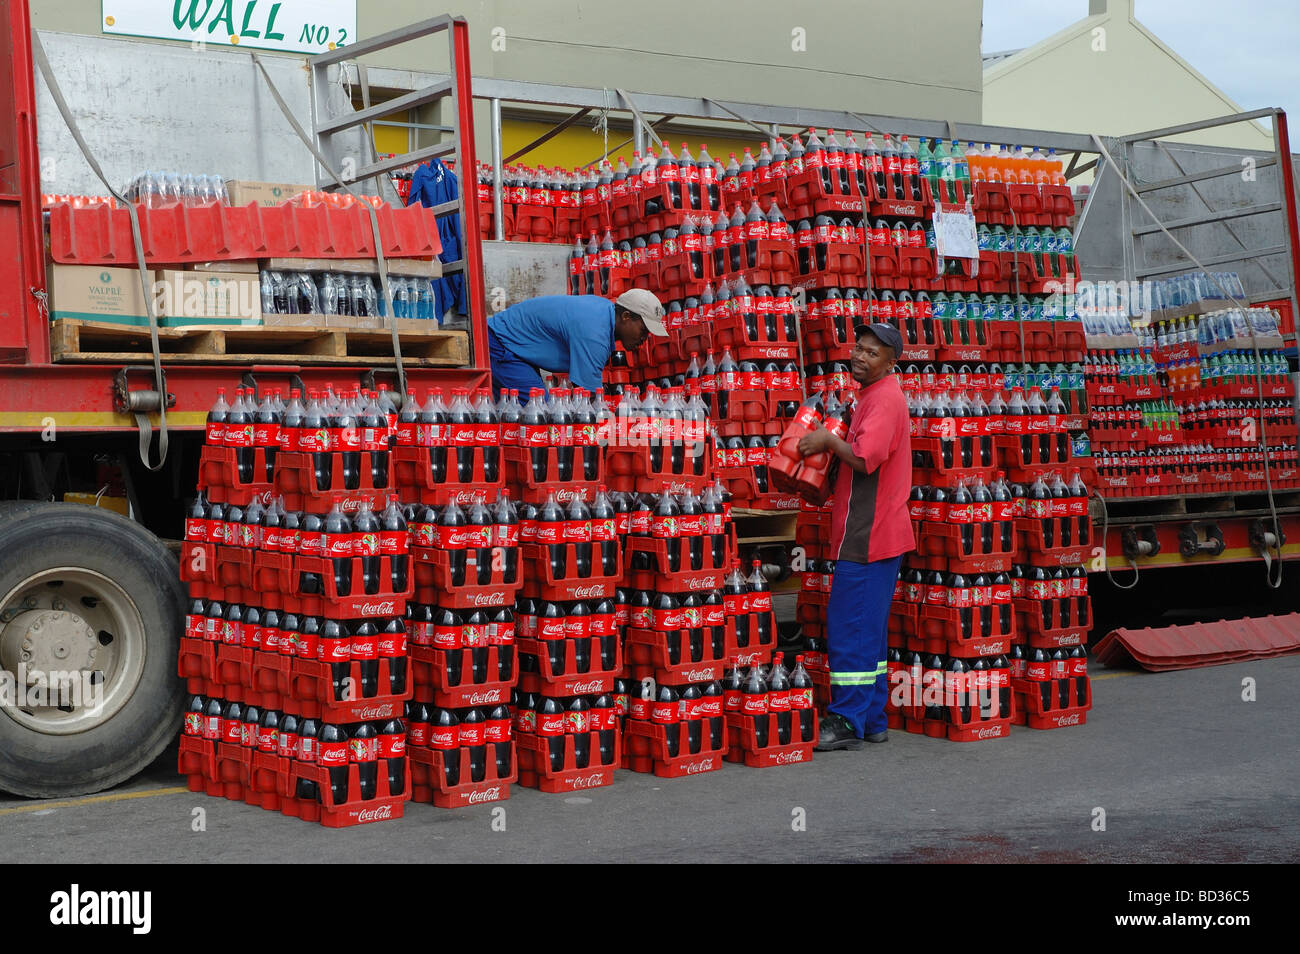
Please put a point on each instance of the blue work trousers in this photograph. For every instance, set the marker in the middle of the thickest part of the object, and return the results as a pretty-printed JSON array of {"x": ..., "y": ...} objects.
[{"x": 857, "y": 624}]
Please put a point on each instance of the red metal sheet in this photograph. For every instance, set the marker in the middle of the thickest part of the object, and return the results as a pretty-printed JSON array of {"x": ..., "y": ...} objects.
[{"x": 1201, "y": 644}]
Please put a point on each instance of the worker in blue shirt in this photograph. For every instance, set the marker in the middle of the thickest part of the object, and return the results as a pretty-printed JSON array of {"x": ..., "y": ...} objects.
[{"x": 573, "y": 334}]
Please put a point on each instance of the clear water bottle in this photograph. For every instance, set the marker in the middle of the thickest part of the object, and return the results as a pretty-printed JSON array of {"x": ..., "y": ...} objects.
[
  {"x": 329, "y": 294},
  {"x": 268, "y": 294},
  {"x": 424, "y": 309}
]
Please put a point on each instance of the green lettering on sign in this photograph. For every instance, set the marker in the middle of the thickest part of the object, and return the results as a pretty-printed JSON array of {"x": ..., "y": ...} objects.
[
  {"x": 225, "y": 13},
  {"x": 179, "y": 18},
  {"x": 270, "y": 24},
  {"x": 248, "y": 15}
]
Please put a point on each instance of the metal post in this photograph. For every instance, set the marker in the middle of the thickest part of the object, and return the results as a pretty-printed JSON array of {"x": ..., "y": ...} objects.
[
  {"x": 772, "y": 132},
  {"x": 1286, "y": 188},
  {"x": 498, "y": 204},
  {"x": 638, "y": 136}
]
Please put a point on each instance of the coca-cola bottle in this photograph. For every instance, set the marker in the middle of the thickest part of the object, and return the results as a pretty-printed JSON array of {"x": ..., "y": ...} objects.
[
  {"x": 506, "y": 536},
  {"x": 604, "y": 533},
  {"x": 239, "y": 435},
  {"x": 333, "y": 752},
  {"x": 754, "y": 704},
  {"x": 463, "y": 434},
  {"x": 364, "y": 646},
  {"x": 472, "y": 736},
  {"x": 366, "y": 530},
  {"x": 760, "y": 600},
  {"x": 346, "y": 423},
  {"x": 481, "y": 537},
  {"x": 339, "y": 543},
  {"x": 801, "y": 699},
  {"x": 444, "y": 737},
  {"x": 551, "y": 725},
  {"x": 432, "y": 434},
  {"x": 535, "y": 434},
  {"x": 373, "y": 423},
  {"x": 666, "y": 712},
  {"x": 487, "y": 435},
  {"x": 392, "y": 749},
  {"x": 497, "y": 734},
  {"x": 394, "y": 543},
  {"x": 451, "y": 537}
]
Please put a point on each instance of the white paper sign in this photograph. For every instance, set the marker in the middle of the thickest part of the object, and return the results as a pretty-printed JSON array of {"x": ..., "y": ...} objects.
[
  {"x": 954, "y": 232},
  {"x": 292, "y": 26}
]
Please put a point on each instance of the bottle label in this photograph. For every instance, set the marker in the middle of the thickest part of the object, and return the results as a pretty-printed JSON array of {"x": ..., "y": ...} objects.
[
  {"x": 667, "y": 620},
  {"x": 755, "y": 704}
]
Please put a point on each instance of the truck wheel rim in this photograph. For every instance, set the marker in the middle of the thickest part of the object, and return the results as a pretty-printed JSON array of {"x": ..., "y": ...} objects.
[{"x": 72, "y": 650}]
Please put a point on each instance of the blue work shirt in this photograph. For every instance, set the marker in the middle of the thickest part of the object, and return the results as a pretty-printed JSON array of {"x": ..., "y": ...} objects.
[{"x": 573, "y": 334}]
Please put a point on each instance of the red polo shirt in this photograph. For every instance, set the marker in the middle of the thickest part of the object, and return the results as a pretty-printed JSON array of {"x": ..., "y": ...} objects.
[{"x": 869, "y": 518}]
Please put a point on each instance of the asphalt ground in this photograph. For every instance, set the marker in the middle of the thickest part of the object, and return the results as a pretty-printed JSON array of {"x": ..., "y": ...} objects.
[{"x": 1183, "y": 768}]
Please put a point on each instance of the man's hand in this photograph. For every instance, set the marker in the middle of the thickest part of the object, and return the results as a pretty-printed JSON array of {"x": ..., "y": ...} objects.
[{"x": 815, "y": 442}]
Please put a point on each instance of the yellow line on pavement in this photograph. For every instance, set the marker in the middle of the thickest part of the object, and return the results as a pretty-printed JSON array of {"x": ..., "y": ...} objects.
[
  {"x": 93, "y": 799},
  {"x": 1116, "y": 675}
]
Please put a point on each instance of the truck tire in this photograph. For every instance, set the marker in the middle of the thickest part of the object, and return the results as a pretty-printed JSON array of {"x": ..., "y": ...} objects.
[{"x": 91, "y": 611}]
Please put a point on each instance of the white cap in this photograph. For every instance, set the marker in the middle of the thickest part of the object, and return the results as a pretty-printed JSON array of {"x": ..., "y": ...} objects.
[{"x": 646, "y": 306}]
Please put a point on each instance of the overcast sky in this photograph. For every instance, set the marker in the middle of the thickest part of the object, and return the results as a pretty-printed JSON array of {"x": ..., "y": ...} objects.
[{"x": 1250, "y": 49}]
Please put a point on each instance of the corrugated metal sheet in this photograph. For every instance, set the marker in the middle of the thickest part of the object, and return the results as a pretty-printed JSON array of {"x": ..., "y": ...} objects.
[{"x": 1201, "y": 644}]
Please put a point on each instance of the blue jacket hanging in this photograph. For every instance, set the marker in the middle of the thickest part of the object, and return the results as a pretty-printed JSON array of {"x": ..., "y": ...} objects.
[{"x": 432, "y": 184}]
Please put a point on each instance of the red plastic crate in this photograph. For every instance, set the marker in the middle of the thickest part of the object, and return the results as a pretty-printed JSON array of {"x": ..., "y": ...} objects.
[
  {"x": 519, "y": 475},
  {"x": 743, "y": 744},
  {"x": 431, "y": 681},
  {"x": 429, "y": 778},
  {"x": 295, "y": 480},
  {"x": 1029, "y": 623},
  {"x": 356, "y": 605},
  {"x": 219, "y": 476},
  {"x": 1033, "y": 712},
  {"x": 353, "y": 811},
  {"x": 535, "y": 765},
  {"x": 431, "y": 571},
  {"x": 662, "y": 580},
  {"x": 547, "y": 681},
  {"x": 313, "y": 694},
  {"x": 649, "y": 650},
  {"x": 540, "y": 581},
  {"x": 413, "y": 481},
  {"x": 645, "y": 749}
]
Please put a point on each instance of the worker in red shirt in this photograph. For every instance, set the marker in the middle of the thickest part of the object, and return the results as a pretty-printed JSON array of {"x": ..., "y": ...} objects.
[{"x": 870, "y": 532}]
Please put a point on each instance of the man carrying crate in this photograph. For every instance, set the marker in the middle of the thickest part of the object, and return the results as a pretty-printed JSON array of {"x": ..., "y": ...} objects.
[
  {"x": 870, "y": 532},
  {"x": 573, "y": 334}
]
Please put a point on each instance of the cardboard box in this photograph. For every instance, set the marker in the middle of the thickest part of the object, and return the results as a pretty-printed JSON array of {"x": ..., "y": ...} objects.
[
  {"x": 242, "y": 267},
  {"x": 266, "y": 194},
  {"x": 97, "y": 293},
  {"x": 183, "y": 297}
]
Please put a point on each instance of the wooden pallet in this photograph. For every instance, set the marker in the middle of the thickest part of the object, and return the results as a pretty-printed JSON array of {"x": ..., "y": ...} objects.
[{"x": 78, "y": 340}]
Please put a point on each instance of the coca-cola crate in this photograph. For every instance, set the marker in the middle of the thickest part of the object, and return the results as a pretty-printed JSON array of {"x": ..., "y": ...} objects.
[
  {"x": 646, "y": 747},
  {"x": 1037, "y": 712},
  {"x": 938, "y": 625},
  {"x": 328, "y": 604},
  {"x": 268, "y": 775},
  {"x": 196, "y": 663},
  {"x": 535, "y": 223},
  {"x": 535, "y": 767},
  {"x": 1029, "y": 623},
  {"x": 219, "y": 475},
  {"x": 772, "y": 263},
  {"x": 272, "y": 677},
  {"x": 523, "y": 479},
  {"x": 991, "y": 202},
  {"x": 231, "y": 767},
  {"x": 916, "y": 267},
  {"x": 233, "y": 671},
  {"x": 540, "y": 581},
  {"x": 435, "y": 586},
  {"x": 312, "y": 695},
  {"x": 296, "y": 482},
  {"x": 634, "y": 462},
  {"x": 744, "y": 744},
  {"x": 353, "y": 810},
  {"x": 413, "y": 477},
  {"x": 942, "y": 545},
  {"x": 562, "y": 674},
  {"x": 272, "y": 579},
  {"x": 980, "y": 731},
  {"x": 1033, "y": 544},
  {"x": 195, "y": 759},
  {"x": 659, "y": 553},
  {"x": 674, "y": 658},
  {"x": 766, "y": 329},
  {"x": 904, "y": 620},
  {"x": 446, "y": 677},
  {"x": 429, "y": 777},
  {"x": 1011, "y": 449}
]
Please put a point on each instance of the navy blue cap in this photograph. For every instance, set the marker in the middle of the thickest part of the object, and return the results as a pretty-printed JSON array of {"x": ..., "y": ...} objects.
[{"x": 885, "y": 334}]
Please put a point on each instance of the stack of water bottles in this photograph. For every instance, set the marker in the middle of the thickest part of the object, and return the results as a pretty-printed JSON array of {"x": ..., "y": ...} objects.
[{"x": 338, "y": 294}]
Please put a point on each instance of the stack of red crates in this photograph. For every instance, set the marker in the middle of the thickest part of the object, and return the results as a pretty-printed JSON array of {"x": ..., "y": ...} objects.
[{"x": 303, "y": 636}]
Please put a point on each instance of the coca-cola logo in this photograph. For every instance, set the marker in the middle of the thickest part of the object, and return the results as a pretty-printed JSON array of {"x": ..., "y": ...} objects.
[
  {"x": 701, "y": 675},
  {"x": 487, "y": 795},
  {"x": 788, "y": 758},
  {"x": 588, "y": 781},
  {"x": 387, "y": 608},
  {"x": 704, "y": 583},
  {"x": 379, "y": 813},
  {"x": 749, "y": 660},
  {"x": 588, "y": 592},
  {"x": 369, "y": 713},
  {"x": 990, "y": 649},
  {"x": 1072, "y": 719},
  {"x": 704, "y": 765},
  {"x": 490, "y": 599},
  {"x": 485, "y": 698},
  {"x": 587, "y": 688}
]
